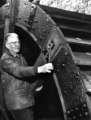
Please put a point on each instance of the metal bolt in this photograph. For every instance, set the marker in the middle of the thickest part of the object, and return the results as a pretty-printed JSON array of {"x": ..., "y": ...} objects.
[
  {"x": 74, "y": 117},
  {"x": 86, "y": 113},
  {"x": 68, "y": 112},
  {"x": 76, "y": 108},
  {"x": 63, "y": 65}
]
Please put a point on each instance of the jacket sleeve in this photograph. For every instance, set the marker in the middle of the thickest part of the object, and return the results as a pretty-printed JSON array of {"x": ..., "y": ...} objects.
[{"x": 16, "y": 70}]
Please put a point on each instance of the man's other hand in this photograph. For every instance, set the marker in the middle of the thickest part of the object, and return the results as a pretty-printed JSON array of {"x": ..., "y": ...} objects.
[{"x": 46, "y": 68}]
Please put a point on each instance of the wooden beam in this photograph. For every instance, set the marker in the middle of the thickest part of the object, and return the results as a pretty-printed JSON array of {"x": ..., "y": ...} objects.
[
  {"x": 10, "y": 18},
  {"x": 79, "y": 41},
  {"x": 82, "y": 58},
  {"x": 74, "y": 28},
  {"x": 69, "y": 15},
  {"x": 7, "y": 20},
  {"x": 69, "y": 20}
]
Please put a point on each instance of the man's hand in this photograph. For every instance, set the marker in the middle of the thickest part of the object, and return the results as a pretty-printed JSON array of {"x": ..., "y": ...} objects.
[{"x": 46, "y": 68}]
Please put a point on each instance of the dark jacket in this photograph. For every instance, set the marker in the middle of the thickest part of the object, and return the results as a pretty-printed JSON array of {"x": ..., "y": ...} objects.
[{"x": 18, "y": 90}]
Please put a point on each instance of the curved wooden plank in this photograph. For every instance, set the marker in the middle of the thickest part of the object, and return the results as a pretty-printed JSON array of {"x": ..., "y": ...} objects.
[{"x": 54, "y": 48}]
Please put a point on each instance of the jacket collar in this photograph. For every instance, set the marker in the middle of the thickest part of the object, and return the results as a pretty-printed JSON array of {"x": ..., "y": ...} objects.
[{"x": 8, "y": 52}]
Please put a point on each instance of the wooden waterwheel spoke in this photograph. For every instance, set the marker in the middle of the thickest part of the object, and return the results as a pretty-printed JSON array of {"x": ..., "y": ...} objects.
[{"x": 10, "y": 18}]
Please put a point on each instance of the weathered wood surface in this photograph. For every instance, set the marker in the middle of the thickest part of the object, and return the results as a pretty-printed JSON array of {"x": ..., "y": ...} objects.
[
  {"x": 71, "y": 20},
  {"x": 54, "y": 47}
]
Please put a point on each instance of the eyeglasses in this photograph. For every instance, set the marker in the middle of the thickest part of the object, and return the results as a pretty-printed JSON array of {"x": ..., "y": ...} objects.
[{"x": 14, "y": 42}]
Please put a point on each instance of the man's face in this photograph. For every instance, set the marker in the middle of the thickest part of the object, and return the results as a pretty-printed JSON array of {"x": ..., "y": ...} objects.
[{"x": 13, "y": 44}]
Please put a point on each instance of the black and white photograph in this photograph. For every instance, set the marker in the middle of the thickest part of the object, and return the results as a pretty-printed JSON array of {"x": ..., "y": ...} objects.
[{"x": 45, "y": 59}]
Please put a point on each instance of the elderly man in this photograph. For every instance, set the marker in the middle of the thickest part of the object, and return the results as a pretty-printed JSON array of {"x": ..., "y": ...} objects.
[{"x": 17, "y": 89}]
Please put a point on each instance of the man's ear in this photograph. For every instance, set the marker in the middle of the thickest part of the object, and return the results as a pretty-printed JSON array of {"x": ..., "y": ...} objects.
[{"x": 7, "y": 45}]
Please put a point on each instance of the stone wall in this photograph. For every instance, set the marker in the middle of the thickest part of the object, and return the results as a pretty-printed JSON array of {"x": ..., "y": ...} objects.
[{"x": 81, "y": 6}]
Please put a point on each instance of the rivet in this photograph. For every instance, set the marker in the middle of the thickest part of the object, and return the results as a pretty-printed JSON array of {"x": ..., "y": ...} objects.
[
  {"x": 86, "y": 113},
  {"x": 74, "y": 117},
  {"x": 63, "y": 64},
  {"x": 72, "y": 110},
  {"x": 68, "y": 112},
  {"x": 47, "y": 19},
  {"x": 76, "y": 108},
  {"x": 66, "y": 53},
  {"x": 80, "y": 115},
  {"x": 84, "y": 105}
]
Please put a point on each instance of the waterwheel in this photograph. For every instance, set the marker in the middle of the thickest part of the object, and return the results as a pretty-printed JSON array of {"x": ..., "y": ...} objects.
[{"x": 42, "y": 41}]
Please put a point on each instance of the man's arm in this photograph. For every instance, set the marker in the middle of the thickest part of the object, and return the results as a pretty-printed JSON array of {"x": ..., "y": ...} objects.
[{"x": 16, "y": 70}]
